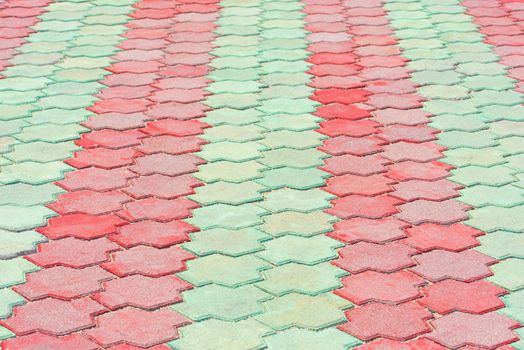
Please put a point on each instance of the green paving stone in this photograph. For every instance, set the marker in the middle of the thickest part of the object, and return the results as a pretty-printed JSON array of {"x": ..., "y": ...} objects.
[
  {"x": 286, "y": 79},
  {"x": 424, "y": 54},
  {"x": 302, "y": 201},
  {"x": 5, "y": 333},
  {"x": 59, "y": 16},
  {"x": 483, "y": 82},
  {"x": 50, "y": 133},
  {"x": 19, "y": 97},
  {"x": 231, "y": 116},
  {"x": 229, "y": 171},
  {"x": 293, "y": 158},
  {"x": 470, "y": 123},
  {"x": 485, "y": 57},
  {"x": 304, "y": 311},
  {"x": 467, "y": 47},
  {"x": 514, "y": 305},
  {"x": 234, "y": 74},
  {"x": 66, "y": 101},
  {"x": 444, "y": 91},
  {"x": 89, "y": 40},
  {"x": 236, "y": 51},
  {"x": 461, "y": 107},
  {"x": 231, "y": 151},
  {"x": 288, "y": 91},
  {"x": 497, "y": 112},
  {"x": 73, "y": 88},
  {"x": 228, "y": 193},
  {"x": 219, "y": 335},
  {"x": 299, "y": 122},
  {"x": 14, "y": 244},
  {"x": 106, "y": 19},
  {"x": 283, "y": 54},
  {"x": 489, "y": 69},
  {"x": 8, "y": 300},
  {"x": 237, "y": 87},
  {"x": 246, "y": 20},
  {"x": 227, "y": 216},
  {"x": 33, "y": 173},
  {"x": 496, "y": 218},
  {"x": 228, "y": 242},
  {"x": 237, "y": 30},
  {"x": 235, "y": 40},
  {"x": 502, "y": 245},
  {"x": 6, "y": 144},
  {"x": 418, "y": 43},
  {"x": 69, "y": 6},
  {"x": 282, "y": 15},
  {"x": 508, "y": 274},
  {"x": 30, "y": 71},
  {"x": 468, "y": 156},
  {"x": 463, "y": 37},
  {"x": 304, "y": 339},
  {"x": 234, "y": 133},
  {"x": 519, "y": 345},
  {"x": 436, "y": 77},
  {"x": 59, "y": 116},
  {"x": 48, "y": 46},
  {"x": 14, "y": 270},
  {"x": 80, "y": 75},
  {"x": 300, "y": 179},
  {"x": 11, "y": 127},
  {"x": 234, "y": 62},
  {"x": 87, "y": 63},
  {"x": 490, "y": 97},
  {"x": 41, "y": 151},
  {"x": 302, "y": 250},
  {"x": 426, "y": 33},
  {"x": 23, "y": 83},
  {"x": 478, "y": 175},
  {"x": 223, "y": 303},
  {"x": 291, "y": 139},
  {"x": 238, "y": 101},
  {"x": 92, "y": 51},
  {"x": 512, "y": 144},
  {"x": 503, "y": 128},
  {"x": 224, "y": 270},
  {"x": 300, "y": 224},
  {"x": 56, "y": 36},
  {"x": 23, "y": 218},
  {"x": 37, "y": 58},
  {"x": 285, "y": 66},
  {"x": 26, "y": 195},
  {"x": 516, "y": 162},
  {"x": 297, "y": 278},
  {"x": 287, "y": 105},
  {"x": 10, "y": 112},
  {"x": 108, "y": 10},
  {"x": 102, "y": 30},
  {"x": 457, "y": 139},
  {"x": 504, "y": 196},
  {"x": 57, "y": 25}
]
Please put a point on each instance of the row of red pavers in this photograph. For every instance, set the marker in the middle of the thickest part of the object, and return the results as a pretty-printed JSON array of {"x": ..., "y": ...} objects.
[
  {"x": 413, "y": 272},
  {"x": 16, "y": 19},
  {"x": 109, "y": 268}
]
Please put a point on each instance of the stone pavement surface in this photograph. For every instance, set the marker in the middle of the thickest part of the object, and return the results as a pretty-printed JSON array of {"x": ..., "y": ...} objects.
[{"x": 261, "y": 174}]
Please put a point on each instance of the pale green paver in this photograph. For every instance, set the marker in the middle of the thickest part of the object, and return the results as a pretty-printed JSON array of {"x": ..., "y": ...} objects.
[
  {"x": 264, "y": 261},
  {"x": 481, "y": 118},
  {"x": 305, "y": 339},
  {"x": 46, "y": 91}
]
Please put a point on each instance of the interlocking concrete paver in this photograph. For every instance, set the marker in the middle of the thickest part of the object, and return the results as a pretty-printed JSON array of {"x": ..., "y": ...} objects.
[{"x": 259, "y": 174}]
